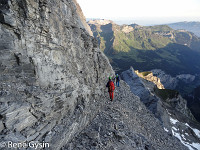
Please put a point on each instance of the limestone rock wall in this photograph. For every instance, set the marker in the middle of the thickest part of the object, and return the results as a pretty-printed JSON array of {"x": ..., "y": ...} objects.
[
  {"x": 144, "y": 88},
  {"x": 52, "y": 73},
  {"x": 168, "y": 81},
  {"x": 82, "y": 17}
]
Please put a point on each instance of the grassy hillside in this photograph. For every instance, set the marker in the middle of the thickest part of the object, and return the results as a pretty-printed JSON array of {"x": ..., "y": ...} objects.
[
  {"x": 173, "y": 59},
  {"x": 166, "y": 93},
  {"x": 147, "y": 48},
  {"x": 139, "y": 39},
  {"x": 146, "y": 73}
]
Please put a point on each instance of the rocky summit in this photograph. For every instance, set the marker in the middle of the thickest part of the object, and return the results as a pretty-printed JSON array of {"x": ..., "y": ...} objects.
[{"x": 52, "y": 85}]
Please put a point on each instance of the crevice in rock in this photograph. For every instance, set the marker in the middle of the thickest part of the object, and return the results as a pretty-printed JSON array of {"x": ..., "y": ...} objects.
[
  {"x": 33, "y": 114},
  {"x": 18, "y": 35},
  {"x": 1, "y": 117},
  {"x": 17, "y": 59},
  {"x": 23, "y": 8},
  {"x": 34, "y": 72},
  {"x": 32, "y": 62},
  {"x": 2, "y": 20},
  {"x": 4, "y": 125}
]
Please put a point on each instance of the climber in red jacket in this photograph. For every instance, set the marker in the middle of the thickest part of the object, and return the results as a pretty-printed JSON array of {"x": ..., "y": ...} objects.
[{"x": 111, "y": 88}]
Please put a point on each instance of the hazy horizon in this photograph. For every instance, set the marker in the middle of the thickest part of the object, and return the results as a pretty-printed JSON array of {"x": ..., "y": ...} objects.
[
  {"x": 143, "y": 12},
  {"x": 146, "y": 21}
]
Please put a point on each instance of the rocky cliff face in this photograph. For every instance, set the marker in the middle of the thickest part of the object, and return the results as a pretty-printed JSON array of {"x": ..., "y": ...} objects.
[
  {"x": 82, "y": 18},
  {"x": 170, "y": 82},
  {"x": 168, "y": 106},
  {"x": 150, "y": 94},
  {"x": 52, "y": 73}
]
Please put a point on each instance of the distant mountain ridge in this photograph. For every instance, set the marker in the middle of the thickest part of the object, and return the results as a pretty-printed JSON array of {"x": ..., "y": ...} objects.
[
  {"x": 148, "y": 47},
  {"x": 189, "y": 26},
  {"x": 141, "y": 37}
]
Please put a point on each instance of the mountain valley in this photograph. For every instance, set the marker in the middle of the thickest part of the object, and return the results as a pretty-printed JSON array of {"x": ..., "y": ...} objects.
[{"x": 147, "y": 48}]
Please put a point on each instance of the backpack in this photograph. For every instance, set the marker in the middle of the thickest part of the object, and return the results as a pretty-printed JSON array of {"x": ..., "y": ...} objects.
[{"x": 117, "y": 78}]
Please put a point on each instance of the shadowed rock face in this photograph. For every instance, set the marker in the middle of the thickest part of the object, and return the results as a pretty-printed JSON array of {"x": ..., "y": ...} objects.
[
  {"x": 52, "y": 75},
  {"x": 166, "y": 105},
  {"x": 172, "y": 82},
  {"x": 156, "y": 100}
]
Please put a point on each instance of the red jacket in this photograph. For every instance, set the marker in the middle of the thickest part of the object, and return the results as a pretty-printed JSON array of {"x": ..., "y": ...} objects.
[{"x": 111, "y": 86}]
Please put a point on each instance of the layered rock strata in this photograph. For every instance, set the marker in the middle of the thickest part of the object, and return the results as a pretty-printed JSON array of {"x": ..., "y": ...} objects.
[{"x": 52, "y": 73}]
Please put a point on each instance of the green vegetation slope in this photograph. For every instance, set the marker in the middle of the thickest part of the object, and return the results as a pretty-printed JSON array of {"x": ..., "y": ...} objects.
[{"x": 145, "y": 48}]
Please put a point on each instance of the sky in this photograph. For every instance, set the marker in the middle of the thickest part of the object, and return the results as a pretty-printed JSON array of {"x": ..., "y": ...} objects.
[{"x": 144, "y": 11}]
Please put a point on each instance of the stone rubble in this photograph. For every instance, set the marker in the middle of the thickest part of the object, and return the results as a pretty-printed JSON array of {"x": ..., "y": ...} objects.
[{"x": 124, "y": 123}]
